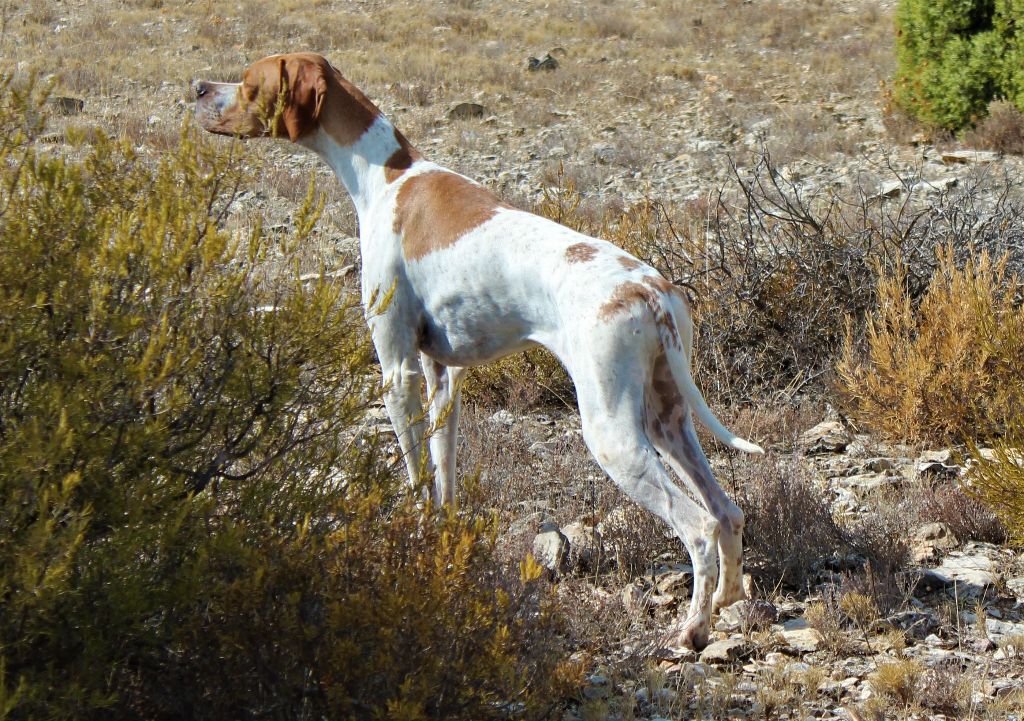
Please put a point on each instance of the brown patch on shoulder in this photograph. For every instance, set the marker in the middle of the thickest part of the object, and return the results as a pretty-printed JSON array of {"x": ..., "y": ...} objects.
[
  {"x": 401, "y": 160},
  {"x": 435, "y": 209},
  {"x": 580, "y": 253},
  {"x": 650, "y": 292},
  {"x": 629, "y": 263}
]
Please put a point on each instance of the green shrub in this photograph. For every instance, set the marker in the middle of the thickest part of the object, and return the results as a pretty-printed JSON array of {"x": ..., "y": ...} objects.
[
  {"x": 192, "y": 524},
  {"x": 955, "y": 56}
]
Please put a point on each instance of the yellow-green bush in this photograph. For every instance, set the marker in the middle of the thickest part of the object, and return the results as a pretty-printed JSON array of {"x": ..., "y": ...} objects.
[
  {"x": 946, "y": 369},
  {"x": 191, "y": 524},
  {"x": 997, "y": 479}
]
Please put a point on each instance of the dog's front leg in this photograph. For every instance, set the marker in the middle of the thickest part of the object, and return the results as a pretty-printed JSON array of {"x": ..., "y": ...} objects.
[
  {"x": 443, "y": 394},
  {"x": 403, "y": 380}
]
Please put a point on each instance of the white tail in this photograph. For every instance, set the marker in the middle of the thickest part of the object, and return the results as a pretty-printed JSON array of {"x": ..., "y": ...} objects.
[{"x": 679, "y": 364}]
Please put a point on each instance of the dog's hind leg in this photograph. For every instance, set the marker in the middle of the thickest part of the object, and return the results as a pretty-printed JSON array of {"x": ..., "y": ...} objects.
[
  {"x": 613, "y": 429},
  {"x": 670, "y": 425}
]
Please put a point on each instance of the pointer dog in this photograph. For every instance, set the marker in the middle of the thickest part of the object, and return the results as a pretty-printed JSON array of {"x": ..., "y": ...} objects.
[{"x": 474, "y": 280}]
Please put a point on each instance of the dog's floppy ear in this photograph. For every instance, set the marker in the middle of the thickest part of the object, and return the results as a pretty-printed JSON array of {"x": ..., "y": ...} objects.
[{"x": 305, "y": 86}]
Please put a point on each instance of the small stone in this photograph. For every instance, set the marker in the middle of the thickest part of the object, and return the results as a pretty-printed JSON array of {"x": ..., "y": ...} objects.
[
  {"x": 547, "y": 62},
  {"x": 802, "y": 640},
  {"x": 889, "y": 189},
  {"x": 728, "y": 651},
  {"x": 1001, "y": 630},
  {"x": 503, "y": 417},
  {"x": 746, "y": 615},
  {"x": 826, "y": 437},
  {"x": 969, "y": 156},
  {"x": 973, "y": 574},
  {"x": 551, "y": 548},
  {"x": 64, "y": 105},
  {"x": 983, "y": 645},
  {"x": 585, "y": 550},
  {"x": 467, "y": 111},
  {"x": 864, "y": 484}
]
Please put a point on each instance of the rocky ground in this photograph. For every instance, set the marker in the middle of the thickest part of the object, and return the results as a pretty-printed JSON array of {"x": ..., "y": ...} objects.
[{"x": 950, "y": 645}]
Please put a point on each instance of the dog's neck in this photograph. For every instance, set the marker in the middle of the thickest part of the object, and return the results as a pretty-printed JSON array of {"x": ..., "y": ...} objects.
[{"x": 367, "y": 166}]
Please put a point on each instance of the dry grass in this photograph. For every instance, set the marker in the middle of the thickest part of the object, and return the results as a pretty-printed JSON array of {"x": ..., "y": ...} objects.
[
  {"x": 943, "y": 368},
  {"x": 1001, "y": 130},
  {"x": 746, "y": 61}
]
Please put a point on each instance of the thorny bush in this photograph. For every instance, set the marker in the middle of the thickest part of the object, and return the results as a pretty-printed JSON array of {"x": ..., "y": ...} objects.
[{"x": 775, "y": 267}]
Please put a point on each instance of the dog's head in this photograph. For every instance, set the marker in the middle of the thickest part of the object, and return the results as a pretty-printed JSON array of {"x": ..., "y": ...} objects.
[{"x": 279, "y": 95}]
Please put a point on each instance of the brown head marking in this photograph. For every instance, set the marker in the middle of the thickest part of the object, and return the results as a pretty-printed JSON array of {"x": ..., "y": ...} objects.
[
  {"x": 435, "y": 209},
  {"x": 298, "y": 91}
]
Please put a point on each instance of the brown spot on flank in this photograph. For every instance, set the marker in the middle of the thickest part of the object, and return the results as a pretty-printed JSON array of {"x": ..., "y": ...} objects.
[
  {"x": 651, "y": 293},
  {"x": 580, "y": 253},
  {"x": 435, "y": 209},
  {"x": 629, "y": 263},
  {"x": 401, "y": 160},
  {"x": 626, "y": 296}
]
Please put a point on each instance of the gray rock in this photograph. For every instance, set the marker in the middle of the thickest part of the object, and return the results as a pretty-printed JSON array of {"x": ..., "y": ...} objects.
[
  {"x": 938, "y": 463},
  {"x": 826, "y": 437},
  {"x": 551, "y": 548},
  {"x": 864, "y": 484},
  {"x": 466, "y": 111},
  {"x": 64, "y": 105},
  {"x": 889, "y": 189},
  {"x": 802, "y": 640},
  {"x": 747, "y": 615},
  {"x": 968, "y": 156},
  {"x": 728, "y": 651},
  {"x": 547, "y": 62},
  {"x": 999, "y": 630},
  {"x": 585, "y": 550},
  {"x": 973, "y": 574}
]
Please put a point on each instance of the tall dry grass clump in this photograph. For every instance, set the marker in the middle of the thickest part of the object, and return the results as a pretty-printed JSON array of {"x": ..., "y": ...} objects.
[
  {"x": 947, "y": 368},
  {"x": 194, "y": 524}
]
